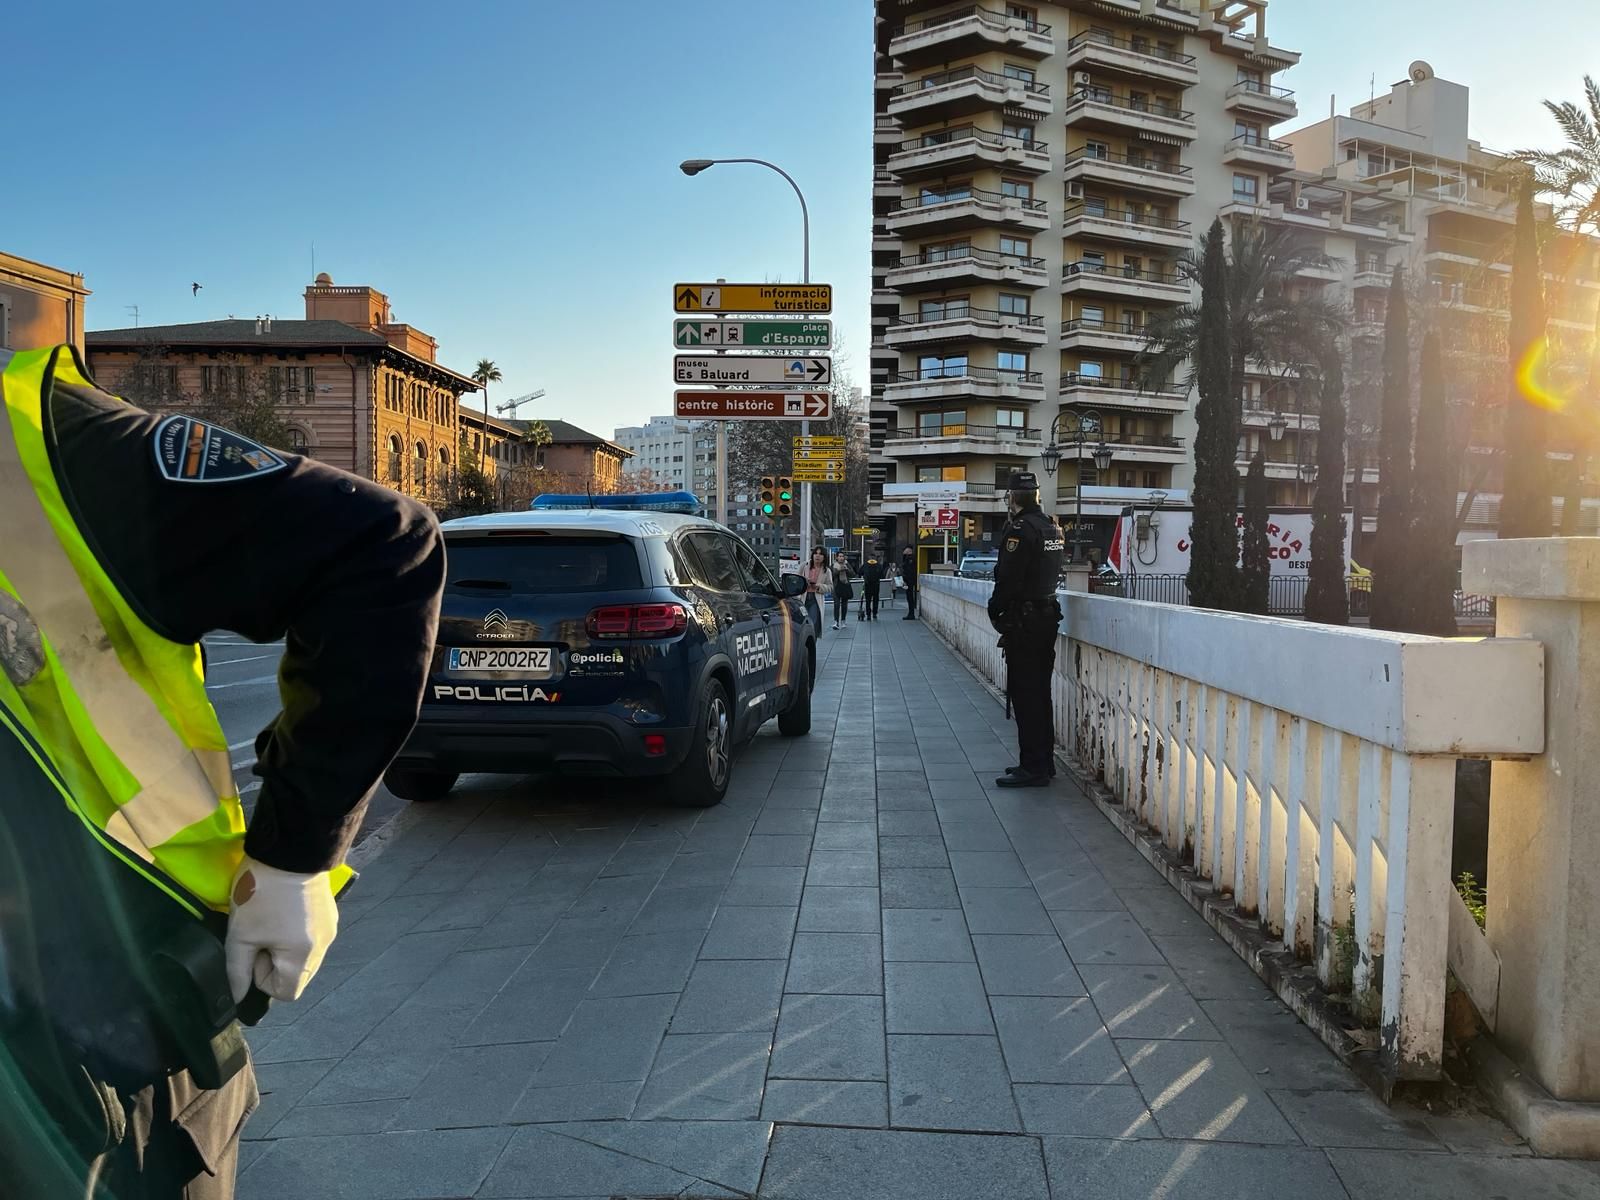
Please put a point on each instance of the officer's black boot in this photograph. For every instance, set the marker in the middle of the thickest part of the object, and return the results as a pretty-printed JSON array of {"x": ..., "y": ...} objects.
[{"x": 1023, "y": 779}]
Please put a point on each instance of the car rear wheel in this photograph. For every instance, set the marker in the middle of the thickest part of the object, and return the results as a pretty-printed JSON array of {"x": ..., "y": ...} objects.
[
  {"x": 701, "y": 780},
  {"x": 795, "y": 721},
  {"x": 419, "y": 785}
]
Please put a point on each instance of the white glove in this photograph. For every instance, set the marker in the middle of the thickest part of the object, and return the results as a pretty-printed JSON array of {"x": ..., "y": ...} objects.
[{"x": 281, "y": 924}]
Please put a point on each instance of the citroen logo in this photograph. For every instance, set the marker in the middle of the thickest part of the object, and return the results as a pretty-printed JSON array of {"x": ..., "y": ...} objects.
[{"x": 496, "y": 620}]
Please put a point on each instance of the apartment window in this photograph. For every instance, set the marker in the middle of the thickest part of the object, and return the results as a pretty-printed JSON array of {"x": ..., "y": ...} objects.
[
  {"x": 1095, "y": 206},
  {"x": 1092, "y": 260},
  {"x": 1139, "y": 101},
  {"x": 1127, "y": 478},
  {"x": 1012, "y": 71},
  {"x": 208, "y": 381},
  {"x": 1139, "y": 44},
  {"x": 1021, "y": 247},
  {"x": 1250, "y": 131},
  {"x": 1089, "y": 369},
  {"x": 942, "y": 474},
  {"x": 1246, "y": 189},
  {"x": 1097, "y": 150},
  {"x": 1012, "y": 360},
  {"x": 419, "y": 466},
  {"x": 444, "y": 459},
  {"x": 1133, "y": 320},
  {"x": 942, "y": 424},
  {"x": 1020, "y": 189},
  {"x": 1132, "y": 266},
  {"x": 1092, "y": 315},
  {"x": 1018, "y": 133},
  {"x": 1014, "y": 305},
  {"x": 1251, "y": 78},
  {"x": 949, "y": 366},
  {"x": 947, "y": 251},
  {"x": 394, "y": 458},
  {"x": 1026, "y": 16},
  {"x": 947, "y": 193},
  {"x": 1087, "y": 475},
  {"x": 943, "y": 310},
  {"x": 1152, "y": 479},
  {"x": 1011, "y": 418},
  {"x": 1376, "y": 164}
]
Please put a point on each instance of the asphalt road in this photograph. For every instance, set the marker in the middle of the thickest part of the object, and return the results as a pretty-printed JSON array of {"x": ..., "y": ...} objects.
[{"x": 242, "y": 680}]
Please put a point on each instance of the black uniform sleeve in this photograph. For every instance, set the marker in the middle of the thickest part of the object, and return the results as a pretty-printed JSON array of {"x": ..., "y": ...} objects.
[
  {"x": 1018, "y": 546},
  {"x": 348, "y": 572}
]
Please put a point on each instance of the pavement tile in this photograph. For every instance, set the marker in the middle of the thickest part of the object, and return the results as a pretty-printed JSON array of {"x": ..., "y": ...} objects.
[
  {"x": 1475, "y": 1133},
  {"x": 1073, "y": 889},
  {"x": 1209, "y": 967},
  {"x": 908, "y": 823},
  {"x": 972, "y": 807},
  {"x": 836, "y": 964},
  {"x": 706, "y": 1076},
  {"x": 780, "y": 886},
  {"x": 1055, "y": 1040},
  {"x": 1085, "y": 1110},
  {"x": 730, "y": 997},
  {"x": 918, "y": 887},
  {"x": 473, "y": 1086},
  {"x": 678, "y": 910},
  {"x": 571, "y": 946},
  {"x": 1163, "y": 911},
  {"x": 826, "y": 1102},
  {"x": 846, "y": 835},
  {"x": 648, "y": 965},
  {"x": 576, "y": 1102},
  {"x": 806, "y": 1163},
  {"x": 843, "y": 868},
  {"x": 613, "y": 901},
  {"x": 1005, "y": 910},
  {"x": 1407, "y": 1175},
  {"x": 1086, "y": 1169},
  {"x": 750, "y": 933},
  {"x": 913, "y": 851},
  {"x": 534, "y": 1006},
  {"x": 1357, "y": 1120},
  {"x": 1275, "y": 1047},
  {"x": 378, "y": 1074},
  {"x": 777, "y": 850},
  {"x": 829, "y": 1037},
  {"x": 950, "y": 1083},
  {"x": 781, "y": 821},
  {"x": 539, "y": 1162},
  {"x": 410, "y": 1165},
  {"x": 1146, "y": 1002},
  {"x": 708, "y": 868},
  {"x": 839, "y": 910},
  {"x": 608, "y": 1041},
  {"x": 904, "y": 800},
  {"x": 331, "y": 1120},
  {"x": 975, "y": 835},
  {"x": 1200, "y": 1090},
  {"x": 1026, "y": 964},
  {"x": 805, "y": 798},
  {"x": 284, "y": 1085},
  {"x": 464, "y": 910},
  {"x": 935, "y": 998},
  {"x": 925, "y": 935},
  {"x": 728, "y": 1154},
  {"x": 1106, "y": 937}
]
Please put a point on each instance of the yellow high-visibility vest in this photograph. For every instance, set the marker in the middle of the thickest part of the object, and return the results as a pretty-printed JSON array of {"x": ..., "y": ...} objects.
[{"x": 120, "y": 710}]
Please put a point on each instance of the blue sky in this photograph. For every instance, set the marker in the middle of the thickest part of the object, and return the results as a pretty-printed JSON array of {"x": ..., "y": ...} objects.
[{"x": 507, "y": 172}]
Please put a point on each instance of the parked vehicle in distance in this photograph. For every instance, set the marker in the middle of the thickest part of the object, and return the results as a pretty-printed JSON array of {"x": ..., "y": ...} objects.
[
  {"x": 612, "y": 635},
  {"x": 978, "y": 565}
]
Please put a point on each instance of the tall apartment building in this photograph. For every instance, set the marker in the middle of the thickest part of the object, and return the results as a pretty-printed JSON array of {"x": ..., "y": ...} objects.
[{"x": 1040, "y": 168}]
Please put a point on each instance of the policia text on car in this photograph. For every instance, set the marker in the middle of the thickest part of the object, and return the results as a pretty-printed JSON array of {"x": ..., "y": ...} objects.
[
  {"x": 1024, "y": 609},
  {"x": 136, "y": 911}
]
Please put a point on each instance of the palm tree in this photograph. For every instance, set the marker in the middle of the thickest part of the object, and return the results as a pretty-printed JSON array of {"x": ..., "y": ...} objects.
[
  {"x": 1573, "y": 172},
  {"x": 485, "y": 373}
]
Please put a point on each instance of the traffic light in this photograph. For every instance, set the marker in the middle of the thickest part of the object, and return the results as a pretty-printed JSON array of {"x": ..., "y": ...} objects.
[
  {"x": 969, "y": 529},
  {"x": 785, "y": 497},
  {"x": 769, "y": 498}
]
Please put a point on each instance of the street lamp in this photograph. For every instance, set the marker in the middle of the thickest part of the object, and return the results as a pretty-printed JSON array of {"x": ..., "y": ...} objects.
[
  {"x": 1277, "y": 427},
  {"x": 693, "y": 167},
  {"x": 1087, "y": 429}
]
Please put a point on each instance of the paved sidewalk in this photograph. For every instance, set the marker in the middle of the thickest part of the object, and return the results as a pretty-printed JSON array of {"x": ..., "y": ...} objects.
[{"x": 868, "y": 974}]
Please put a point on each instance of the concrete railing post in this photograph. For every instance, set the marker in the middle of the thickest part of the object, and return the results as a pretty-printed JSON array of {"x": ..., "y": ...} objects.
[{"x": 1544, "y": 820}]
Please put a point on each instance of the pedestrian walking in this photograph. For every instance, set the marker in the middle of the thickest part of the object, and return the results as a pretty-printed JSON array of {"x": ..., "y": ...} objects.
[
  {"x": 908, "y": 579},
  {"x": 1024, "y": 611},
  {"x": 843, "y": 593},
  {"x": 140, "y": 918},
  {"x": 819, "y": 581},
  {"x": 871, "y": 580}
]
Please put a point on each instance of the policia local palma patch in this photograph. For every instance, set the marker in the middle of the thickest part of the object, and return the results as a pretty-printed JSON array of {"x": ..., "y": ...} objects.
[{"x": 191, "y": 451}]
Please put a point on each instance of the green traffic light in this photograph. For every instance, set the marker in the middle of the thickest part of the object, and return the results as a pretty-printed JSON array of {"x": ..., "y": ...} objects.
[
  {"x": 767, "y": 509},
  {"x": 786, "y": 495}
]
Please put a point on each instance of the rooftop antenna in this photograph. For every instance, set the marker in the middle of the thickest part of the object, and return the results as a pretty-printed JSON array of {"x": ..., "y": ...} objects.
[
  {"x": 1372, "y": 89},
  {"x": 134, "y": 309}
]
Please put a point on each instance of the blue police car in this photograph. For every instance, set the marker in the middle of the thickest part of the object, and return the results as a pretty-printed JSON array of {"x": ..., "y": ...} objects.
[{"x": 607, "y": 635}]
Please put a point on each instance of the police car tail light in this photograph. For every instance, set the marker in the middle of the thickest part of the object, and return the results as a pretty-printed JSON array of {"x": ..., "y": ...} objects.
[{"x": 614, "y": 621}]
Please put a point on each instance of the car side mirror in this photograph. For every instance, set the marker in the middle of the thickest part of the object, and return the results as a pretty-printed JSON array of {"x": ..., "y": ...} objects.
[{"x": 794, "y": 585}]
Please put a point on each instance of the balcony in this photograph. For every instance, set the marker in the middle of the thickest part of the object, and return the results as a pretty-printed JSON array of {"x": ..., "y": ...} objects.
[
  {"x": 966, "y": 31},
  {"x": 1371, "y": 274},
  {"x": 1100, "y": 108},
  {"x": 1127, "y": 226},
  {"x": 964, "y": 382},
  {"x": 1465, "y": 252},
  {"x": 1461, "y": 298},
  {"x": 1135, "y": 171},
  {"x": 1088, "y": 333},
  {"x": 1136, "y": 58},
  {"x": 885, "y": 186},
  {"x": 1254, "y": 150},
  {"x": 1145, "y": 447},
  {"x": 946, "y": 268},
  {"x": 1125, "y": 391},
  {"x": 886, "y": 131},
  {"x": 962, "y": 439},
  {"x": 931, "y": 212},
  {"x": 967, "y": 148},
  {"x": 1248, "y": 97},
  {"x": 976, "y": 496},
  {"x": 1094, "y": 278},
  {"x": 1366, "y": 326},
  {"x": 967, "y": 90},
  {"x": 964, "y": 324}
]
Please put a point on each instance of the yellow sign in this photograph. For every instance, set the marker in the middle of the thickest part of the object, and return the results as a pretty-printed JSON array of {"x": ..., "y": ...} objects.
[
  {"x": 803, "y": 475},
  {"x": 752, "y": 297},
  {"x": 863, "y": 531},
  {"x": 818, "y": 441}
]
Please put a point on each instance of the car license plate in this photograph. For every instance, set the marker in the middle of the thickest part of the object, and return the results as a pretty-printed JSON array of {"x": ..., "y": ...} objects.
[{"x": 524, "y": 662}]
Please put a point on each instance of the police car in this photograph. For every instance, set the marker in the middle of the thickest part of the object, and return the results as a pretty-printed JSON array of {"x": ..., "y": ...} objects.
[{"x": 612, "y": 635}]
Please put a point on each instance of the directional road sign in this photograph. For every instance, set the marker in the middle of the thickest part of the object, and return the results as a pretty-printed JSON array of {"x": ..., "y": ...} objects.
[
  {"x": 818, "y": 464},
  {"x": 752, "y": 297},
  {"x": 863, "y": 531},
  {"x": 818, "y": 441},
  {"x": 818, "y": 476},
  {"x": 754, "y": 368},
  {"x": 758, "y": 335},
  {"x": 754, "y": 406}
]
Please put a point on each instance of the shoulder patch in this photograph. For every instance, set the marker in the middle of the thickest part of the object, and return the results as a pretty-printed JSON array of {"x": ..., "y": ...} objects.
[
  {"x": 1011, "y": 544},
  {"x": 191, "y": 451}
]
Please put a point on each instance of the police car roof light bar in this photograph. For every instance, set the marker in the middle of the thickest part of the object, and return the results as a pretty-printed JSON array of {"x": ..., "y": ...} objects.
[{"x": 683, "y": 502}]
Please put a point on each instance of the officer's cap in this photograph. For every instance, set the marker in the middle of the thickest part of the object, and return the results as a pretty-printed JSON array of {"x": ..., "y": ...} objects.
[{"x": 1023, "y": 481}]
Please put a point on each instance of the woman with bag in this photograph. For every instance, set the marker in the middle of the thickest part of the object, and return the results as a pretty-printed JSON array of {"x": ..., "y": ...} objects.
[
  {"x": 819, "y": 581},
  {"x": 843, "y": 593}
]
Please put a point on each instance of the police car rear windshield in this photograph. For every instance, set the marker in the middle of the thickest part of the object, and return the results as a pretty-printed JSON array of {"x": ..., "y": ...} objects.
[{"x": 540, "y": 564}]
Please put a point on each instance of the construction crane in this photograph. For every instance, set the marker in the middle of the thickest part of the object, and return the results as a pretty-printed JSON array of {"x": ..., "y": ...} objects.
[{"x": 511, "y": 406}]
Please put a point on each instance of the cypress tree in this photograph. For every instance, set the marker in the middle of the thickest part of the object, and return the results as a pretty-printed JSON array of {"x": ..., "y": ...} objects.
[
  {"x": 1433, "y": 492},
  {"x": 1525, "y": 493},
  {"x": 1391, "y": 569},
  {"x": 1214, "y": 535},
  {"x": 1255, "y": 571},
  {"x": 1327, "y": 600}
]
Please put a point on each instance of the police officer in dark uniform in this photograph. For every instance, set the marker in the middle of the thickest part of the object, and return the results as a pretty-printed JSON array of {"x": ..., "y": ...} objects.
[
  {"x": 96, "y": 1090},
  {"x": 1024, "y": 609}
]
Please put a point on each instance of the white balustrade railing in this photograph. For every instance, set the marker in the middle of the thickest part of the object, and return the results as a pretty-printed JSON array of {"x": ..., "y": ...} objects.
[{"x": 1305, "y": 772}]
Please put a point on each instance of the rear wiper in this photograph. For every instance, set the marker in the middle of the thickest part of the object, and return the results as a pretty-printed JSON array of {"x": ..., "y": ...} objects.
[{"x": 482, "y": 584}]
